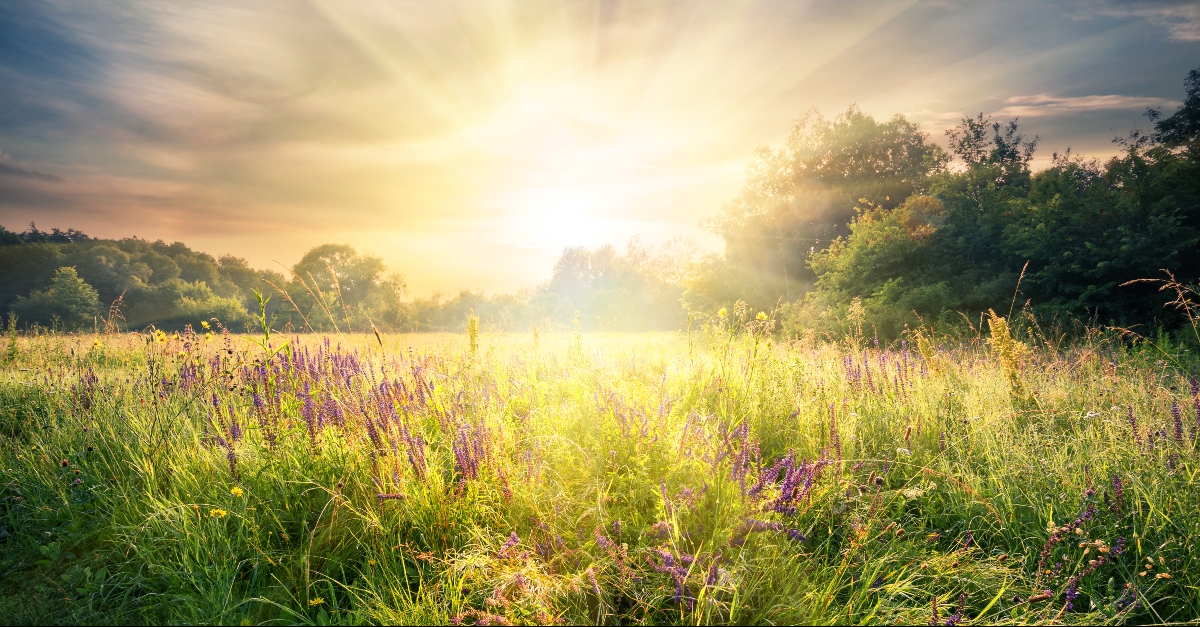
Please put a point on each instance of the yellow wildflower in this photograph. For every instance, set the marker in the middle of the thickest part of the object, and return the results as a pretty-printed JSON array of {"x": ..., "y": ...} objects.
[
  {"x": 217, "y": 513},
  {"x": 762, "y": 315},
  {"x": 236, "y": 491},
  {"x": 208, "y": 336},
  {"x": 316, "y": 601},
  {"x": 722, "y": 313},
  {"x": 204, "y": 323},
  {"x": 160, "y": 336}
]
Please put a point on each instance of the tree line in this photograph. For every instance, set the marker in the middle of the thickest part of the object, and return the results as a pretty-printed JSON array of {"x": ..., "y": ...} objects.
[
  {"x": 69, "y": 281},
  {"x": 854, "y": 221}
]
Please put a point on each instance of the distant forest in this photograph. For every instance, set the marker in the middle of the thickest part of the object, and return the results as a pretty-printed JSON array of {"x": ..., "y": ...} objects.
[{"x": 855, "y": 221}]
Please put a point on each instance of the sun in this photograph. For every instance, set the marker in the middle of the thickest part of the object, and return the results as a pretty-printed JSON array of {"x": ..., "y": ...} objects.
[{"x": 563, "y": 216}]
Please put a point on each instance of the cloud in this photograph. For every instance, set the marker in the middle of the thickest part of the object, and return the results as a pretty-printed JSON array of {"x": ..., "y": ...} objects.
[
  {"x": 1042, "y": 105},
  {"x": 933, "y": 120},
  {"x": 8, "y": 168},
  {"x": 1181, "y": 19}
]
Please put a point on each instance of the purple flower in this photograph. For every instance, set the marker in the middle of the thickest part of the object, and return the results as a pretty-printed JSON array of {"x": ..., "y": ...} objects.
[
  {"x": 1117, "y": 501},
  {"x": 1133, "y": 425},
  {"x": 741, "y": 460},
  {"x": 957, "y": 616},
  {"x": 601, "y": 540},
  {"x": 372, "y": 432},
  {"x": 834, "y": 437},
  {"x": 592, "y": 579},
  {"x": 1073, "y": 584},
  {"x": 713, "y": 570},
  {"x": 1060, "y": 533},
  {"x": 1177, "y": 416},
  {"x": 677, "y": 570},
  {"x": 310, "y": 416},
  {"x": 508, "y": 545},
  {"x": 469, "y": 448}
]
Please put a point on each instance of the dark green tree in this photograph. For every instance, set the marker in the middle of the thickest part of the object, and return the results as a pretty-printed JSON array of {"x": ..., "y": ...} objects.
[{"x": 68, "y": 303}]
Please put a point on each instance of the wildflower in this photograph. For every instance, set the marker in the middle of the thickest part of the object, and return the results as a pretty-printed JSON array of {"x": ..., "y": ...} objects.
[
  {"x": 957, "y": 616},
  {"x": 722, "y": 313},
  {"x": 217, "y": 513},
  {"x": 317, "y": 601},
  {"x": 508, "y": 545},
  {"x": 592, "y": 579},
  {"x": 762, "y": 315},
  {"x": 236, "y": 491},
  {"x": 204, "y": 323},
  {"x": 1133, "y": 426},
  {"x": 601, "y": 539},
  {"x": 1177, "y": 416},
  {"x": 1117, "y": 501},
  {"x": 713, "y": 570},
  {"x": 160, "y": 337}
]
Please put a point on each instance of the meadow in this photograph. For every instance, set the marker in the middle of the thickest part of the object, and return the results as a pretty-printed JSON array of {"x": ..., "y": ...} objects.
[{"x": 721, "y": 475}]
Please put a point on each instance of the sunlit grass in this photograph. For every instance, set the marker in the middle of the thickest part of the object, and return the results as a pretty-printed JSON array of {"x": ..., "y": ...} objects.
[{"x": 712, "y": 477}]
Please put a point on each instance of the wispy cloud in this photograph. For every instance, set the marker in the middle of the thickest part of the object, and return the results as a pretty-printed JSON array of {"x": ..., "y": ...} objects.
[
  {"x": 1042, "y": 105},
  {"x": 9, "y": 168},
  {"x": 1181, "y": 19}
]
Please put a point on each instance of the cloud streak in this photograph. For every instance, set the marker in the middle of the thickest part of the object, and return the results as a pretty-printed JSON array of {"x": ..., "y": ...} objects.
[
  {"x": 1043, "y": 105},
  {"x": 1180, "y": 18}
]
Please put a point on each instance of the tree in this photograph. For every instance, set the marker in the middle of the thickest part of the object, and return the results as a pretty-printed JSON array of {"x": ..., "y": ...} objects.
[
  {"x": 339, "y": 270},
  {"x": 798, "y": 200},
  {"x": 69, "y": 302},
  {"x": 1184, "y": 125}
]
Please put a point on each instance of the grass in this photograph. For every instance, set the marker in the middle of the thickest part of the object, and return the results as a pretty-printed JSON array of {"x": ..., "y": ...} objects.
[{"x": 711, "y": 477}]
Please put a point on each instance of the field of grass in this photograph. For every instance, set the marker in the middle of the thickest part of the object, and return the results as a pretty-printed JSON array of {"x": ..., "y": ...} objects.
[{"x": 712, "y": 477}]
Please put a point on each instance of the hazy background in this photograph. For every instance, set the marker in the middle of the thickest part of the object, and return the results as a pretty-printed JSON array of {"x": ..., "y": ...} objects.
[{"x": 466, "y": 143}]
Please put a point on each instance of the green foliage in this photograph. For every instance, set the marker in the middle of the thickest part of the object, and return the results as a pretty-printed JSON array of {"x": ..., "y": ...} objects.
[
  {"x": 176, "y": 303},
  {"x": 798, "y": 200},
  {"x": 954, "y": 245},
  {"x": 68, "y": 303}
]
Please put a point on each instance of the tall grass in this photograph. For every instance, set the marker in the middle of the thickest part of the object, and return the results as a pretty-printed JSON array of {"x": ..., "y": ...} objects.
[{"x": 712, "y": 477}]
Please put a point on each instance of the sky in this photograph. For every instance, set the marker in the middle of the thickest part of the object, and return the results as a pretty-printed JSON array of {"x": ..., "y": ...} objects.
[{"x": 468, "y": 143}]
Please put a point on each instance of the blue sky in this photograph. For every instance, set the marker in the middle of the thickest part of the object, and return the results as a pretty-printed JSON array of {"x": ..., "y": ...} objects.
[{"x": 467, "y": 142}]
